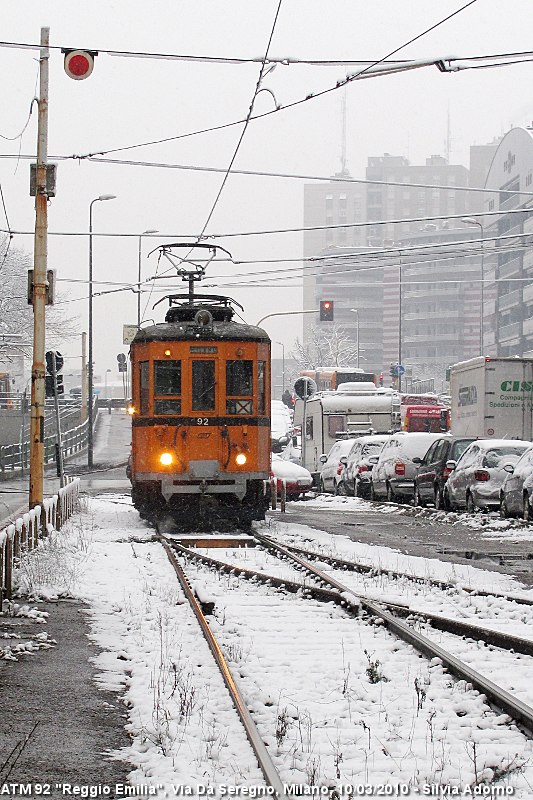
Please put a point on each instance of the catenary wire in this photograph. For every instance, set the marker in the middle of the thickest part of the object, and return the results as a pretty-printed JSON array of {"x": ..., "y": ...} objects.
[
  {"x": 271, "y": 231},
  {"x": 246, "y": 123},
  {"x": 286, "y": 60},
  {"x": 285, "y": 175},
  {"x": 340, "y": 84}
]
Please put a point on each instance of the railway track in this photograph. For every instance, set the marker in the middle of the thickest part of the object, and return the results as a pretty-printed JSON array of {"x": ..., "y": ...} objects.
[
  {"x": 264, "y": 760},
  {"x": 329, "y": 589}
]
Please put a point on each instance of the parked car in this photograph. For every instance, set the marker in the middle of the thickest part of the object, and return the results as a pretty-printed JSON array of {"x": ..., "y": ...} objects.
[
  {"x": 280, "y": 430},
  {"x": 517, "y": 488},
  {"x": 476, "y": 479},
  {"x": 394, "y": 473},
  {"x": 293, "y": 450},
  {"x": 297, "y": 479},
  {"x": 332, "y": 466},
  {"x": 432, "y": 472},
  {"x": 355, "y": 477}
]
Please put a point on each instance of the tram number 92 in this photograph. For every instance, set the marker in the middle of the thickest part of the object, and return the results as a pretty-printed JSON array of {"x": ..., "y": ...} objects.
[{"x": 202, "y": 420}]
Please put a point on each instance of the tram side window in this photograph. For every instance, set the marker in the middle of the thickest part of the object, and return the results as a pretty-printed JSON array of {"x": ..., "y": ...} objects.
[
  {"x": 239, "y": 387},
  {"x": 144, "y": 382},
  {"x": 203, "y": 385},
  {"x": 261, "y": 377},
  {"x": 167, "y": 384}
]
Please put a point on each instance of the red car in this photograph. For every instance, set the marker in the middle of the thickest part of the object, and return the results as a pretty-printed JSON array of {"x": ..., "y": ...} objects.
[{"x": 297, "y": 479}]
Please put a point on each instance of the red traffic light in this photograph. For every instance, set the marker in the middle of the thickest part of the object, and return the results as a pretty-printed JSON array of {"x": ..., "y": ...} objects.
[
  {"x": 79, "y": 64},
  {"x": 326, "y": 310}
]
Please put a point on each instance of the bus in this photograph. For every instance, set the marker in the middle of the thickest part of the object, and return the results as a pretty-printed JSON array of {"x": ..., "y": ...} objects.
[
  {"x": 330, "y": 378},
  {"x": 424, "y": 413}
]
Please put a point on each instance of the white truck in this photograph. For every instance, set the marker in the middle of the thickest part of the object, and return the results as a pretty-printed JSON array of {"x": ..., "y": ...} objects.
[
  {"x": 354, "y": 408},
  {"x": 492, "y": 398}
]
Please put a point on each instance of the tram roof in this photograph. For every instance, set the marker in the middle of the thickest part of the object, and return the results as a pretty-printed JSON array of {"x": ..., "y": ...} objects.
[{"x": 218, "y": 331}]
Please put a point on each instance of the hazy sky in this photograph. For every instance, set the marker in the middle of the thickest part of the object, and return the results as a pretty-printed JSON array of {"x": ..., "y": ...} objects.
[{"x": 127, "y": 101}]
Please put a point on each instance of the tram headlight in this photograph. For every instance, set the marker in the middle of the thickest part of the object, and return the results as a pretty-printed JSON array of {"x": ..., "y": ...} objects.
[
  {"x": 166, "y": 459},
  {"x": 240, "y": 459},
  {"x": 131, "y": 410}
]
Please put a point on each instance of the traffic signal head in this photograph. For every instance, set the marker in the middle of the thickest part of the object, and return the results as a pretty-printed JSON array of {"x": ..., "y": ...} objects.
[
  {"x": 326, "y": 310},
  {"x": 50, "y": 357}
]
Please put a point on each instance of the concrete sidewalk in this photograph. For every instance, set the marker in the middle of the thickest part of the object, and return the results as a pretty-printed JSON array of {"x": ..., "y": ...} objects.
[{"x": 111, "y": 449}]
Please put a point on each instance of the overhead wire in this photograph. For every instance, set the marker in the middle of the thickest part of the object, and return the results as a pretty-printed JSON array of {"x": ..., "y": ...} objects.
[
  {"x": 363, "y": 73},
  {"x": 292, "y": 176},
  {"x": 299, "y": 229},
  {"x": 10, "y": 234},
  {"x": 246, "y": 123}
]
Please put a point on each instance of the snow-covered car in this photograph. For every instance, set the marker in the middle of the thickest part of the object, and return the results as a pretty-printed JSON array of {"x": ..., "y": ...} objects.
[
  {"x": 297, "y": 479},
  {"x": 393, "y": 475},
  {"x": 332, "y": 466},
  {"x": 280, "y": 429},
  {"x": 516, "y": 494},
  {"x": 476, "y": 479},
  {"x": 355, "y": 477},
  {"x": 293, "y": 451}
]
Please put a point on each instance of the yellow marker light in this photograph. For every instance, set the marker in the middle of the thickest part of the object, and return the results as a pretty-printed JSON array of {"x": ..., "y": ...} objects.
[
  {"x": 131, "y": 410},
  {"x": 167, "y": 352},
  {"x": 240, "y": 459},
  {"x": 166, "y": 459}
]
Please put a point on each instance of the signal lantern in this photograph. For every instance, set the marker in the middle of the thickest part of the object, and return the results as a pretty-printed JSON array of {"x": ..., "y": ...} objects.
[
  {"x": 79, "y": 63},
  {"x": 326, "y": 310}
]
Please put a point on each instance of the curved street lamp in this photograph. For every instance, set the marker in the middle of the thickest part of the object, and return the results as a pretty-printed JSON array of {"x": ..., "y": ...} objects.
[{"x": 90, "y": 370}]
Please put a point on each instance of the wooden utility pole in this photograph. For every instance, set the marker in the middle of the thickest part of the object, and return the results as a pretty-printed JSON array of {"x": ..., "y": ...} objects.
[{"x": 39, "y": 284}]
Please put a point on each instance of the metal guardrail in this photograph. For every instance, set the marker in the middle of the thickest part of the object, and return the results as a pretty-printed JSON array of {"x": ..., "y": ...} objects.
[
  {"x": 23, "y": 535},
  {"x": 14, "y": 458}
]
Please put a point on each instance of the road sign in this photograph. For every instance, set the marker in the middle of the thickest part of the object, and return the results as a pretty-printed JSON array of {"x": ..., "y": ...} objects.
[
  {"x": 128, "y": 333},
  {"x": 397, "y": 369},
  {"x": 304, "y": 388}
]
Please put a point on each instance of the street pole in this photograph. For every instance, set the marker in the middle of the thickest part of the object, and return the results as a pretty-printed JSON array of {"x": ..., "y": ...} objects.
[
  {"x": 356, "y": 311},
  {"x": 473, "y": 221},
  {"x": 139, "y": 277},
  {"x": 83, "y": 377},
  {"x": 90, "y": 416},
  {"x": 282, "y": 367},
  {"x": 400, "y": 330},
  {"x": 39, "y": 284}
]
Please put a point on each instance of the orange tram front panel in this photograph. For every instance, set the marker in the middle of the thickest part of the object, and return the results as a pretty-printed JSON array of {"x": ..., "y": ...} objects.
[{"x": 201, "y": 420}]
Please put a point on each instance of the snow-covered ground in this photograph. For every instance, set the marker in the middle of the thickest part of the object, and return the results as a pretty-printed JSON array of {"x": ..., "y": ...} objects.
[{"x": 339, "y": 701}]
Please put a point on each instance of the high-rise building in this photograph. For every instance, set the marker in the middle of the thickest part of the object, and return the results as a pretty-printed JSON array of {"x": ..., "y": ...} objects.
[
  {"x": 508, "y": 259},
  {"x": 368, "y": 299}
]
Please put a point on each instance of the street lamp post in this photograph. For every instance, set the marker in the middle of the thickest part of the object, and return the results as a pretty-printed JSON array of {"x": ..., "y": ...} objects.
[
  {"x": 356, "y": 311},
  {"x": 90, "y": 370},
  {"x": 105, "y": 385},
  {"x": 472, "y": 221},
  {"x": 144, "y": 233},
  {"x": 282, "y": 367}
]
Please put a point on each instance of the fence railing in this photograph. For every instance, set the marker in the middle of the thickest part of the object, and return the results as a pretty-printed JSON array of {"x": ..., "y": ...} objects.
[
  {"x": 14, "y": 458},
  {"x": 23, "y": 535}
]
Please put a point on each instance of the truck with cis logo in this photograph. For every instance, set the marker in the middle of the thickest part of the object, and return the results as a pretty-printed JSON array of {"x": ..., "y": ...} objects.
[{"x": 492, "y": 398}]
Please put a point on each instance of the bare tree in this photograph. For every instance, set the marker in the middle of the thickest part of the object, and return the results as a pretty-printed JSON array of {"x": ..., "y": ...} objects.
[
  {"x": 16, "y": 316},
  {"x": 327, "y": 346}
]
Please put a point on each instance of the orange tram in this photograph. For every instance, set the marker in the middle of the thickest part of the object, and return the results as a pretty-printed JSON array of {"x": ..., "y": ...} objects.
[{"x": 200, "y": 416}]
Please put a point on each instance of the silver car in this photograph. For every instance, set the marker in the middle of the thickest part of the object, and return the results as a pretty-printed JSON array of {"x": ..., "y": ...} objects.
[
  {"x": 330, "y": 474},
  {"x": 476, "y": 479},
  {"x": 516, "y": 493},
  {"x": 394, "y": 474}
]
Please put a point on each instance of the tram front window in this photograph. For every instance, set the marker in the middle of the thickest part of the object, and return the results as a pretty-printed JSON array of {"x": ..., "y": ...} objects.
[{"x": 203, "y": 385}]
